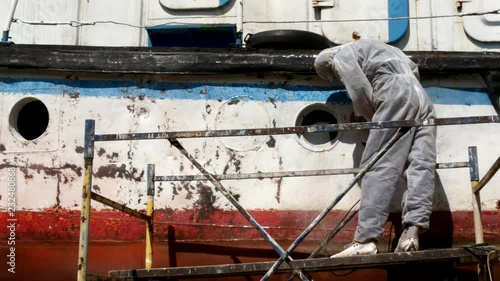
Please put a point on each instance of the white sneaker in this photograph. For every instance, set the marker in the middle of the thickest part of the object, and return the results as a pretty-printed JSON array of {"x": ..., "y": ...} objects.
[
  {"x": 356, "y": 248},
  {"x": 408, "y": 241}
]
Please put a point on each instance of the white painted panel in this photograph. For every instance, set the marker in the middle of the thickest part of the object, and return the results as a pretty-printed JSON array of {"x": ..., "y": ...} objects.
[
  {"x": 111, "y": 34},
  {"x": 192, "y": 4},
  {"x": 430, "y": 31},
  {"x": 443, "y": 30},
  {"x": 422, "y": 32},
  {"x": 46, "y": 11},
  {"x": 351, "y": 15},
  {"x": 485, "y": 28},
  {"x": 55, "y": 177},
  {"x": 36, "y": 161},
  {"x": 158, "y": 15},
  {"x": 262, "y": 15},
  {"x": 11, "y": 139}
]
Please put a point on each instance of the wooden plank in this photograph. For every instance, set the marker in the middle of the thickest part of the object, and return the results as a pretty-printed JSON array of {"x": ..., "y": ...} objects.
[{"x": 466, "y": 254}]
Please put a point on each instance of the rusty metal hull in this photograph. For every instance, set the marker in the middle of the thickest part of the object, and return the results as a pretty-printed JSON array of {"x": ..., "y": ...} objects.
[
  {"x": 270, "y": 176},
  {"x": 48, "y": 244}
]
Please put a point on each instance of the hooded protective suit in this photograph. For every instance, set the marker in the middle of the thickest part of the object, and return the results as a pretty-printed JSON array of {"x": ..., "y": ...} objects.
[{"x": 383, "y": 84}]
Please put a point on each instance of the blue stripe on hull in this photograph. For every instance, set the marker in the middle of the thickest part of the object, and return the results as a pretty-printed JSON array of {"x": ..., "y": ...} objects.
[
  {"x": 462, "y": 96},
  {"x": 220, "y": 91}
]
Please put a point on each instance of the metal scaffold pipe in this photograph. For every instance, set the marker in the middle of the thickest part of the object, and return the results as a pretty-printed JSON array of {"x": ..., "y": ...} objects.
[
  {"x": 10, "y": 17},
  {"x": 219, "y": 187},
  {"x": 88, "y": 153},
  {"x": 300, "y": 129},
  {"x": 150, "y": 214},
  {"x": 325, "y": 211}
]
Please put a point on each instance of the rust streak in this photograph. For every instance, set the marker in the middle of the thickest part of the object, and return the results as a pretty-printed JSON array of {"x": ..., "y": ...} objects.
[
  {"x": 205, "y": 202},
  {"x": 278, "y": 189},
  {"x": 271, "y": 143},
  {"x": 233, "y": 102},
  {"x": 101, "y": 152},
  {"x": 114, "y": 171}
]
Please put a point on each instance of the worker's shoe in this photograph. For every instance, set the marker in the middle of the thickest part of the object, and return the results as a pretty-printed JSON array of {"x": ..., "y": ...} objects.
[
  {"x": 356, "y": 248},
  {"x": 408, "y": 241}
]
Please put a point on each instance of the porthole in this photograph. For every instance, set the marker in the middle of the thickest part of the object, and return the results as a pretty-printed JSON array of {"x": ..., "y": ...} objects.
[
  {"x": 317, "y": 114},
  {"x": 29, "y": 118}
]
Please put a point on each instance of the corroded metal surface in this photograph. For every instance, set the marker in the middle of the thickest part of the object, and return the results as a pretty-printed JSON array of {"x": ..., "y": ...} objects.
[
  {"x": 220, "y": 188},
  {"x": 142, "y": 60},
  {"x": 223, "y": 225}
]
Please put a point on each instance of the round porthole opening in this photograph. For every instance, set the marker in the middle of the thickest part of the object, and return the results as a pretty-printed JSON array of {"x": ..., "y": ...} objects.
[
  {"x": 29, "y": 118},
  {"x": 317, "y": 114}
]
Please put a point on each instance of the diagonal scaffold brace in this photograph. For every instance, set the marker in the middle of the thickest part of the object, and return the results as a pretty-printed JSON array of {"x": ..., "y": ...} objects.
[
  {"x": 219, "y": 187},
  {"x": 399, "y": 133}
]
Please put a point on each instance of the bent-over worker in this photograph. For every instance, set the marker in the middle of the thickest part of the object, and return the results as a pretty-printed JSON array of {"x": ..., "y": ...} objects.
[{"x": 383, "y": 84}]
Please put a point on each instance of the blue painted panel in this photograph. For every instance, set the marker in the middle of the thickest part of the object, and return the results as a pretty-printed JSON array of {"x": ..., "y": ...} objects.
[
  {"x": 463, "y": 96},
  {"x": 398, "y": 28},
  {"x": 220, "y": 91},
  {"x": 175, "y": 91}
]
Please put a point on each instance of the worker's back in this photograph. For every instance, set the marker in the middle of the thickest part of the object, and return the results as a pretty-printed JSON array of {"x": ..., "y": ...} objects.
[{"x": 377, "y": 58}]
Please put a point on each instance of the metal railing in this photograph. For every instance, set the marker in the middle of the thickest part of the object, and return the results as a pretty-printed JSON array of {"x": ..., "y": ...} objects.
[{"x": 88, "y": 195}]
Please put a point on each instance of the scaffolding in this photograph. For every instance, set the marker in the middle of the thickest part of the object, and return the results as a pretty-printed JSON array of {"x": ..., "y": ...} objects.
[{"x": 479, "y": 253}]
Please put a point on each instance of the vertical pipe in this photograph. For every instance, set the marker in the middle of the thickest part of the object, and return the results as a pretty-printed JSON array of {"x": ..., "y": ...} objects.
[
  {"x": 88, "y": 155},
  {"x": 150, "y": 213},
  {"x": 79, "y": 17},
  {"x": 10, "y": 17},
  {"x": 476, "y": 199},
  {"x": 239, "y": 23}
]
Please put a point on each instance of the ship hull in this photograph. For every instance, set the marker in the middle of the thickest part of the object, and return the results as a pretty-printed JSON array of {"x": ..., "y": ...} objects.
[{"x": 193, "y": 223}]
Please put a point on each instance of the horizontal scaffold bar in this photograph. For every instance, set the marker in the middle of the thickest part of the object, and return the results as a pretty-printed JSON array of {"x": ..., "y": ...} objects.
[
  {"x": 299, "y": 129},
  {"x": 464, "y": 255},
  {"x": 119, "y": 207},
  {"x": 283, "y": 174}
]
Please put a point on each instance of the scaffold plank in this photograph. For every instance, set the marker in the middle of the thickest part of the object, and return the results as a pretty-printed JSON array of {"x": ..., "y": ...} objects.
[{"x": 382, "y": 260}]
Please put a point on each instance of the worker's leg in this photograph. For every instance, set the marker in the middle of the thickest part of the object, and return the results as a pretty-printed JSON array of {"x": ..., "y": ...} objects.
[
  {"x": 377, "y": 188},
  {"x": 420, "y": 175},
  {"x": 378, "y": 185}
]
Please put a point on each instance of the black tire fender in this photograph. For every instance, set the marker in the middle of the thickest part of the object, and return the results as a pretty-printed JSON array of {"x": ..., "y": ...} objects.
[{"x": 288, "y": 39}]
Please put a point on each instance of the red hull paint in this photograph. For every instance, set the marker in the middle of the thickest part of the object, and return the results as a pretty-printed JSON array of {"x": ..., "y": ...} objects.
[
  {"x": 47, "y": 242},
  {"x": 58, "y": 261},
  {"x": 62, "y": 225}
]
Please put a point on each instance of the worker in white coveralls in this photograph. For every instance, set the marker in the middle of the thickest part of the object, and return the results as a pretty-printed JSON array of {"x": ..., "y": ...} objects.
[{"x": 383, "y": 84}]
